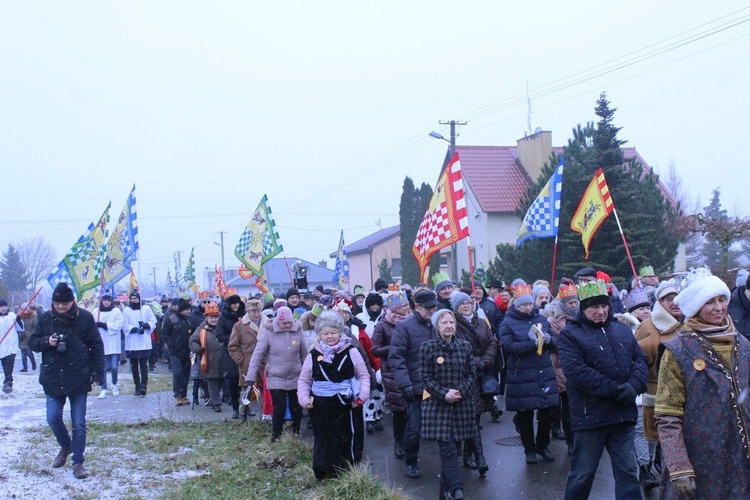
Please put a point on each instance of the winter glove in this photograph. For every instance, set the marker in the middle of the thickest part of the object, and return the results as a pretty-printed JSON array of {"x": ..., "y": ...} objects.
[
  {"x": 200, "y": 350},
  {"x": 546, "y": 338},
  {"x": 626, "y": 394},
  {"x": 140, "y": 331},
  {"x": 134, "y": 330},
  {"x": 101, "y": 325},
  {"x": 408, "y": 393},
  {"x": 685, "y": 486},
  {"x": 20, "y": 322}
]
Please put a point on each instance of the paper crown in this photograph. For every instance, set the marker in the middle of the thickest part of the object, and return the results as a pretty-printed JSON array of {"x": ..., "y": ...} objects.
[
  {"x": 566, "y": 291},
  {"x": 231, "y": 291},
  {"x": 694, "y": 275},
  {"x": 646, "y": 271},
  {"x": 359, "y": 290},
  {"x": 636, "y": 298},
  {"x": 396, "y": 300},
  {"x": 521, "y": 289},
  {"x": 341, "y": 306},
  {"x": 204, "y": 296},
  {"x": 440, "y": 277},
  {"x": 211, "y": 309},
  {"x": 595, "y": 289},
  {"x": 394, "y": 288},
  {"x": 317, "y": 309}
]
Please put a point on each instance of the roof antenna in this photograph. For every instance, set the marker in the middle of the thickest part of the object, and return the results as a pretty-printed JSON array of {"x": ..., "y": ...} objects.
[{"x": 528, "y": 101}]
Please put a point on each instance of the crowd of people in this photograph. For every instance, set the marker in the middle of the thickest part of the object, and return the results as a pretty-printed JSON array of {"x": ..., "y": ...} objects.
[{"x": 658, "y": 374}]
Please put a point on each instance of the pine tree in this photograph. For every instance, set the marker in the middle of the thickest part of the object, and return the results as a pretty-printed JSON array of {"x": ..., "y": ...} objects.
[
  {"x": 385, "y": 272},
  {"x": 409, "y": 218},
  {"x": 649, "y": 220},
  {"x": 12, "y": 272},
  {"x": 711, "y": 248}
]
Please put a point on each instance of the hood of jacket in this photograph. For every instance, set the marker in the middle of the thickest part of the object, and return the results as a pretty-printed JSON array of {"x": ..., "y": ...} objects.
[{"x": 662, "y": 320}]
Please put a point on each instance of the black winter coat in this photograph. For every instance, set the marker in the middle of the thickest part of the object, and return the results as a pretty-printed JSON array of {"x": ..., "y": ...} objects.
[
  {"x": 403, "y": 356},
  {"x": 596, "y": 360},
  {"x": 381, "y": 346},
  {"x": 176, "y": 330},
  {"x": 494, "y": 315},
  {"x": 530, "y": 379},
  {"x": 72, "y": 371},
  {"x": 483, "y": 350},
  {"x": 227, "y": 320},
  {"x": 739, "y": 310},
  {"x": 444, "y": 366}
]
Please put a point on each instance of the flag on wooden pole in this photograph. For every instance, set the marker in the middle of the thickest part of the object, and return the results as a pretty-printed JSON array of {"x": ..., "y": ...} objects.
[
  {"x": 122, "y": 244},
  {"x": 446, "y": 220},
  {"x": 595, "y": 205},
  {"x": 259, "y": 242},
  {"x": 190, "y": 270},
  {"x": 542, "y": 219}
]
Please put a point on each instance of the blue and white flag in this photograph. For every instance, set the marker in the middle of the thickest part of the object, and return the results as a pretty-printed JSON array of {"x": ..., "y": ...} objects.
[
  {"x": 341, "y": 269},
  {"x": 122, "y": 245},
  {"x": 60, "y": 273},
  {"x": 543, "y": 216}
]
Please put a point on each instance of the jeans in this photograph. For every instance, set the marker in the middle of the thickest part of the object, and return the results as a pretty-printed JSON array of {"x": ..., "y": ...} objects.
[
  {"x": 279, "y": 397},
  {"x": 565, "y": 416},
  {"x": 180, "y": 374},
  {"x": 55, "y": 407},
  {"x": 28, "y": 353},
  {"x": 450, "y": 473},
  {"x": 642, "y": 452},
  {"x": 588, "y": 446},
  {"x": 111, "y": 363},
  {"x": 411, "y": 434}
]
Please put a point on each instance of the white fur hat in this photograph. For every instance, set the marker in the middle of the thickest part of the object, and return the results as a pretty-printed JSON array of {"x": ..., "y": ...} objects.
[{"x": 693, "y": 297}]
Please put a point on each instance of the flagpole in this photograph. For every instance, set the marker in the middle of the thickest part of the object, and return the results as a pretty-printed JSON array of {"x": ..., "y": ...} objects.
[
  {"x": 471, "y": 263},
  {"x": 625, "y": 242},
  {"x": 288, "y": 269},
  {"x": 101, "y": 291},
  {"x": 554, "y": 266}
]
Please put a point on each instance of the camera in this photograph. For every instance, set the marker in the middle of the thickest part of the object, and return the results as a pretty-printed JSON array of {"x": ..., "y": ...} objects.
[{"x": 61, "y": 344}]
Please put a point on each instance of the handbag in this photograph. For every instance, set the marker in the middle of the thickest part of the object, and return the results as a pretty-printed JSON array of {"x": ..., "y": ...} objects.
[{"x": 489, "y": 384}]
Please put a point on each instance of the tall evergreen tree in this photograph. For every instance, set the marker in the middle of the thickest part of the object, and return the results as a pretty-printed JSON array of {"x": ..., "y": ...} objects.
[
  {"x": 13, "y": 274},
  {"x": 648, "y": 217},
  {"x": 409, "y": 219}
]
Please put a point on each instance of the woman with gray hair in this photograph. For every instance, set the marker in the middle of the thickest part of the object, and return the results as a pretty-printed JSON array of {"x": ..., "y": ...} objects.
[
  {"x": 334, "y": 382},
  {"x": 556, "y": 317}
]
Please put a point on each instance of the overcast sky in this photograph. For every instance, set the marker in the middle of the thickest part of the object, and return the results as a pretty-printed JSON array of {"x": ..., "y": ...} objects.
[{"x": 325, "y": 107}]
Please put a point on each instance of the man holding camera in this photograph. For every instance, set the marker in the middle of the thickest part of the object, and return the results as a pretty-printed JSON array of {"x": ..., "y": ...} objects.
[{"x": 72, "y": 361}]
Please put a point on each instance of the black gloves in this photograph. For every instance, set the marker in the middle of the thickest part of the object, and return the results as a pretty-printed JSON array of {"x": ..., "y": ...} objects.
[
  {"x": 200, "y": 350},
  {"x": 134, "y": 330},
  {"x": 19, "y": 321},
  {"x": 408, "y": 393},
  {"x": 101, "y": 325},
  {"x": 626, "y": 394}
]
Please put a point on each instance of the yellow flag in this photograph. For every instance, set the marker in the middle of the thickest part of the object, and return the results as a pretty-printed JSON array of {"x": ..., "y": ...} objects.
[{"x": 595, "y": 205}]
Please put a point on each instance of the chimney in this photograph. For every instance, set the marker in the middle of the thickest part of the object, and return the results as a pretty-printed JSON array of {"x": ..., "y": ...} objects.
[
  {"x": 323, "y": 263},
  {"x": 533, "y": 151}
]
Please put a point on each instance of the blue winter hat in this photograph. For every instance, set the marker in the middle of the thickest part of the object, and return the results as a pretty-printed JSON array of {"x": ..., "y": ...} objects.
[
  {"x": 439, "y": 314},
  {"x": 457, "y": 298}
]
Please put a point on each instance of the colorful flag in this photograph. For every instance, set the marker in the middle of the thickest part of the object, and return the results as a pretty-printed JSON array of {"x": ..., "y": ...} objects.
[
  {"x": 595, "y": 205},
  {"x": 122, "y": 245},
  {"x": 219, "y": 287},
  {"x": 261, "y": 282},
  {"x": 542, "y": 219},
  {"x": 341, "y": 269},
  {"x": 85, "y": 261},
  {"x": 190, "y": 270},
  {"x": 133, "y": 283},
  {"x": 446, "y": 221},
  {"x": 259, "y": 242},
  {"x": 60, "y": 273},
  {"x": 170, "y": 284},
  {"x": 178, "y": 278}
]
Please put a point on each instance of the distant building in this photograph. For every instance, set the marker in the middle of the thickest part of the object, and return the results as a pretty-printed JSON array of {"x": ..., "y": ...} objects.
[{"x": 365, "y": 255}]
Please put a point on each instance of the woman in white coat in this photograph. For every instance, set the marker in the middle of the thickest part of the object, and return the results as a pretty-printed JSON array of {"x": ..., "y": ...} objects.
[
  {"x": 109, "y": 321},
  {"x": 138, "y": 325}
]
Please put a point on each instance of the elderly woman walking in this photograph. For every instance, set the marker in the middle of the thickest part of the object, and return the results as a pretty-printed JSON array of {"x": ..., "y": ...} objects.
[
  {"x": 702, "y": 409},
  {"x": 531, "y": 383},
  {"x": 284, "y": 345},
  {"x": 448, "y": 375},
  {"x": 242, "y": 343},
  {"x": 334, "y": 381}
]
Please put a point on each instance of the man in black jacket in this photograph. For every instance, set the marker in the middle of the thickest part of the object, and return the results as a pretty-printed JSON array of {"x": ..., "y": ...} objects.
[
  {"x": 739, "y": 308},
  {"x": 605, "y": 369},
  {"x": 72, "y": 361},
  {"x": 176, "y": 329},
  {"x": 404, "y": 361}
]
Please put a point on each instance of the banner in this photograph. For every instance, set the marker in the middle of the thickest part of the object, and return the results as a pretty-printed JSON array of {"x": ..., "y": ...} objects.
[
  {"x": 122, "y": 244},
  {"x": 259, "y": 242},
  {"x": 190, "y": 270},
  {"x": 542, "y": 219},
  {"x": 595, "y": 205},
  {"x": 341, "y": 269},
  {"x": 446, "y": 219}
]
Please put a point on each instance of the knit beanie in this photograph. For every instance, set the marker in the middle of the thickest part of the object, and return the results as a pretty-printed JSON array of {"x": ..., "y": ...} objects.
[
  {"x": 62, "y": 293},
  {"x": 284, "y": 314},
  {"x": 183, "y": 305},
  {"x": 292, "y": 291},
  {"x": 666, "y": 287},
  {"x": 741, "y": 279},
  {"x": 3, "y": 303},
  {"x": 439, "y": 314},
  {"x": 457, "y": 298},
  {"x": 537, "y": 290}
]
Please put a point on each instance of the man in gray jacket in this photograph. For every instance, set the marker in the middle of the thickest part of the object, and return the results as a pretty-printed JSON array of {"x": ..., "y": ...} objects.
[{"x": 404, "y": 360}]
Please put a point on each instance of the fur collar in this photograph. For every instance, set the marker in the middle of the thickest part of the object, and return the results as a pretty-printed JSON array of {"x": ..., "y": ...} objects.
[{"x": 663, "y": 321}]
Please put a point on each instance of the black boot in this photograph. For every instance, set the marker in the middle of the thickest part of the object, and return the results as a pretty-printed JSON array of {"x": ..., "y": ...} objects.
[
  {"x": 398, "y": 450},
  {"x": 469, "y": 461},
  {"x": 479, "y": 457},
  {"x": 143, "y": 389}
]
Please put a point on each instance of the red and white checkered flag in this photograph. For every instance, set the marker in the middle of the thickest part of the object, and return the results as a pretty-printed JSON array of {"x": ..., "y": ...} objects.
[{"x": 446, "y": 221}]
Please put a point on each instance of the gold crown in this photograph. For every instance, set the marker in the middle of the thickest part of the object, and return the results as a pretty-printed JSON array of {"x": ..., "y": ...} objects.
[
  {"x": 211, "y": 309},
  {"x": 566, "y": 291},
  {"x": 521, "y": 289},
  {"x": 204, "y": 295},
  {"x": 394, "y": 288},
  {"x": 595, "y": 289}
]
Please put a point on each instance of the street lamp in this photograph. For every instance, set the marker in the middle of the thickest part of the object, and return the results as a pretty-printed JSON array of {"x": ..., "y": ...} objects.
[{"x": 435, "y": 135}]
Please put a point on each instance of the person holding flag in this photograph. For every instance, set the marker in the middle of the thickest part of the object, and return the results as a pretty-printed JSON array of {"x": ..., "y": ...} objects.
[{"x": 10, "y": 325}]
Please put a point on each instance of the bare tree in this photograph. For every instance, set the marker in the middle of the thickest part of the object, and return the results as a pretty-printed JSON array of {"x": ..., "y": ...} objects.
[
  {"x": 38, "y": 257},
  {"x": 724, "y": 230}
]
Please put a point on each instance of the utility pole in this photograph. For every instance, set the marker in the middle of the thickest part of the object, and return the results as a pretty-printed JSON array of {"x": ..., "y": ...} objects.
[
  {"x": 221, "y": 233},
  {"x": 452, "y": 151},
  {"x": 153, "y": 271}
]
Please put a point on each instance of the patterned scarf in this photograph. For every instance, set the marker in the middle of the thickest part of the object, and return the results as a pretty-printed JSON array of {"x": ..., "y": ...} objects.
[
  {"x": 329, "y": 351},
  {"x": 721, "y": 333}
]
